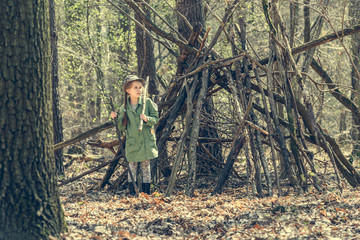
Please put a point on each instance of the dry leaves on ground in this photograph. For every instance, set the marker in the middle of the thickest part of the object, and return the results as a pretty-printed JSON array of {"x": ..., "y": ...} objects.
[{"x": 231, "y": 215}]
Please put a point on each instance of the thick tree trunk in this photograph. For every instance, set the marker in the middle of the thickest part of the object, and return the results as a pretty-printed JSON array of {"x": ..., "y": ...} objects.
[
  {"x": 29, "y": 200},
  {"x": 193, "y": 11}
]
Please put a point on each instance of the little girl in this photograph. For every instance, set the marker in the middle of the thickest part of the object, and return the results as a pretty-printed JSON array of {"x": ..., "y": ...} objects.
[{"x": 140, "y": 146}]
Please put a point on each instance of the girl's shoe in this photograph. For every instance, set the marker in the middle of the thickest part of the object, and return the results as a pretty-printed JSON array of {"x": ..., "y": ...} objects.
[
  {"x": 146, "y": 188},
  {"x": 131, "y": 189}
]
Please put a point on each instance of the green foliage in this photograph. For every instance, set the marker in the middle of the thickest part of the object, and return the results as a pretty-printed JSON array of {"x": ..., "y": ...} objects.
[{"x": 96, "y": 46}]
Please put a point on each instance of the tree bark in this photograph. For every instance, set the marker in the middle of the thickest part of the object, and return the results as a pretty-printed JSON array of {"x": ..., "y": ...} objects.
[
  {"x": 354, "y": 14},
  {"x": 57, "y": 118},
  {"x": 145, "y": 53},
  {"x": 29, "y": 200}
]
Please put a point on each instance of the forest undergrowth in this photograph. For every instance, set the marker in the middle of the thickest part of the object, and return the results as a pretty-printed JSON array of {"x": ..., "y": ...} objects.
[{"x": 236, "y": 213}]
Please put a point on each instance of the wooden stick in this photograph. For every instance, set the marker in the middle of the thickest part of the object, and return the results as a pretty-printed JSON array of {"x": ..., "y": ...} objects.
[{"x": 144, "y": 103}]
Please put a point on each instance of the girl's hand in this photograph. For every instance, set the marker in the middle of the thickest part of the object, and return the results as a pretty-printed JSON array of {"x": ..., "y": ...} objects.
[
  {"x": 143, "y": 117},
  {"x": 113, "y": 115}
]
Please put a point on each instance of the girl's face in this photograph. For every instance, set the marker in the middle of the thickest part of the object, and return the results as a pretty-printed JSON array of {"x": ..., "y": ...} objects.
[{"x": 135, "y": 89}]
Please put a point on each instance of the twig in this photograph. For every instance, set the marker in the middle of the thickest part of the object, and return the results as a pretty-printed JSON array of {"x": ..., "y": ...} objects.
[{"x": 226, "y": 61}]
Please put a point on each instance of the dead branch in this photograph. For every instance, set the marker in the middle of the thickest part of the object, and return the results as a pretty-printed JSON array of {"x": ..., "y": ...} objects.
[
  {"x": 104, "y": 144},
  {"x": 323, "y": 40},
  {"x": 346, "y": 102},
  {"x": 235, "y": 150},
  {"x": 84, "y": 135}
]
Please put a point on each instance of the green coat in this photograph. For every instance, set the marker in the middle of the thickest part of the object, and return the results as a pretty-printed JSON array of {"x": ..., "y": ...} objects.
[{"x": 140, "y": 146}]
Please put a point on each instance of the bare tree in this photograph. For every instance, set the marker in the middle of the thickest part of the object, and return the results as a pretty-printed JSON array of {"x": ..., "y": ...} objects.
[{"x": 57, "y": 118}]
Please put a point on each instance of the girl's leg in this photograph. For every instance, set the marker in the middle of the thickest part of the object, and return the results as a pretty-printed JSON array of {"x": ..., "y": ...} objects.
[
  {"x": 133, "y": 169},
  {"x": 145, "y": 168}
]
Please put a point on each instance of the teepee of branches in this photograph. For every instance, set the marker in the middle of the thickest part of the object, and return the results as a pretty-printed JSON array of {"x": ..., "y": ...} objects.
[{"x": 248, "y": 121}]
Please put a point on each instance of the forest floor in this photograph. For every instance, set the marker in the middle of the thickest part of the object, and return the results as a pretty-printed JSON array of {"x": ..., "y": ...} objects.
[{"x": 234, "y": 214}]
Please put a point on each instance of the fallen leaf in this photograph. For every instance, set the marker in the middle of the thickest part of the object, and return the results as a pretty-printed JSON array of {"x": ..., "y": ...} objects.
[{"x": 257, "y": 226}]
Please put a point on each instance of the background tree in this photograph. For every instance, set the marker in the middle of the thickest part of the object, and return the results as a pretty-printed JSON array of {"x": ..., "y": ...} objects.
[
  {"x": 145, "y": 53},
  {"x": 29, "y": 201},
  {"x": 57, "y": 117},
  {"x": 354, "y": 15},
  {"x": 96, "y": 46}
]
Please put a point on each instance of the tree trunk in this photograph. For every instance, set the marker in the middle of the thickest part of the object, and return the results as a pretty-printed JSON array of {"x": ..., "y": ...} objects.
[
  {"x": 294, "y": 11},
  {"x": 193, "y": 11},
  {"x": 57, "y": 119},
  {"x": 96, "y": 44},
  {"x": 29, "y": 200},
  {"x": 342, "y": 124},
  {"x": 354, "y": 14},
  {"x": 145, "y": 54},
  {"x": 256, "y": 160}
]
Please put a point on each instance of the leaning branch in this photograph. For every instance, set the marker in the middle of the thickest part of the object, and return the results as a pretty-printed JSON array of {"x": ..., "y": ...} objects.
[
  {"x": 348, "y": 103},
  {"x": 84, "y": 135},
  {"x": 321, "y": 41}
]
